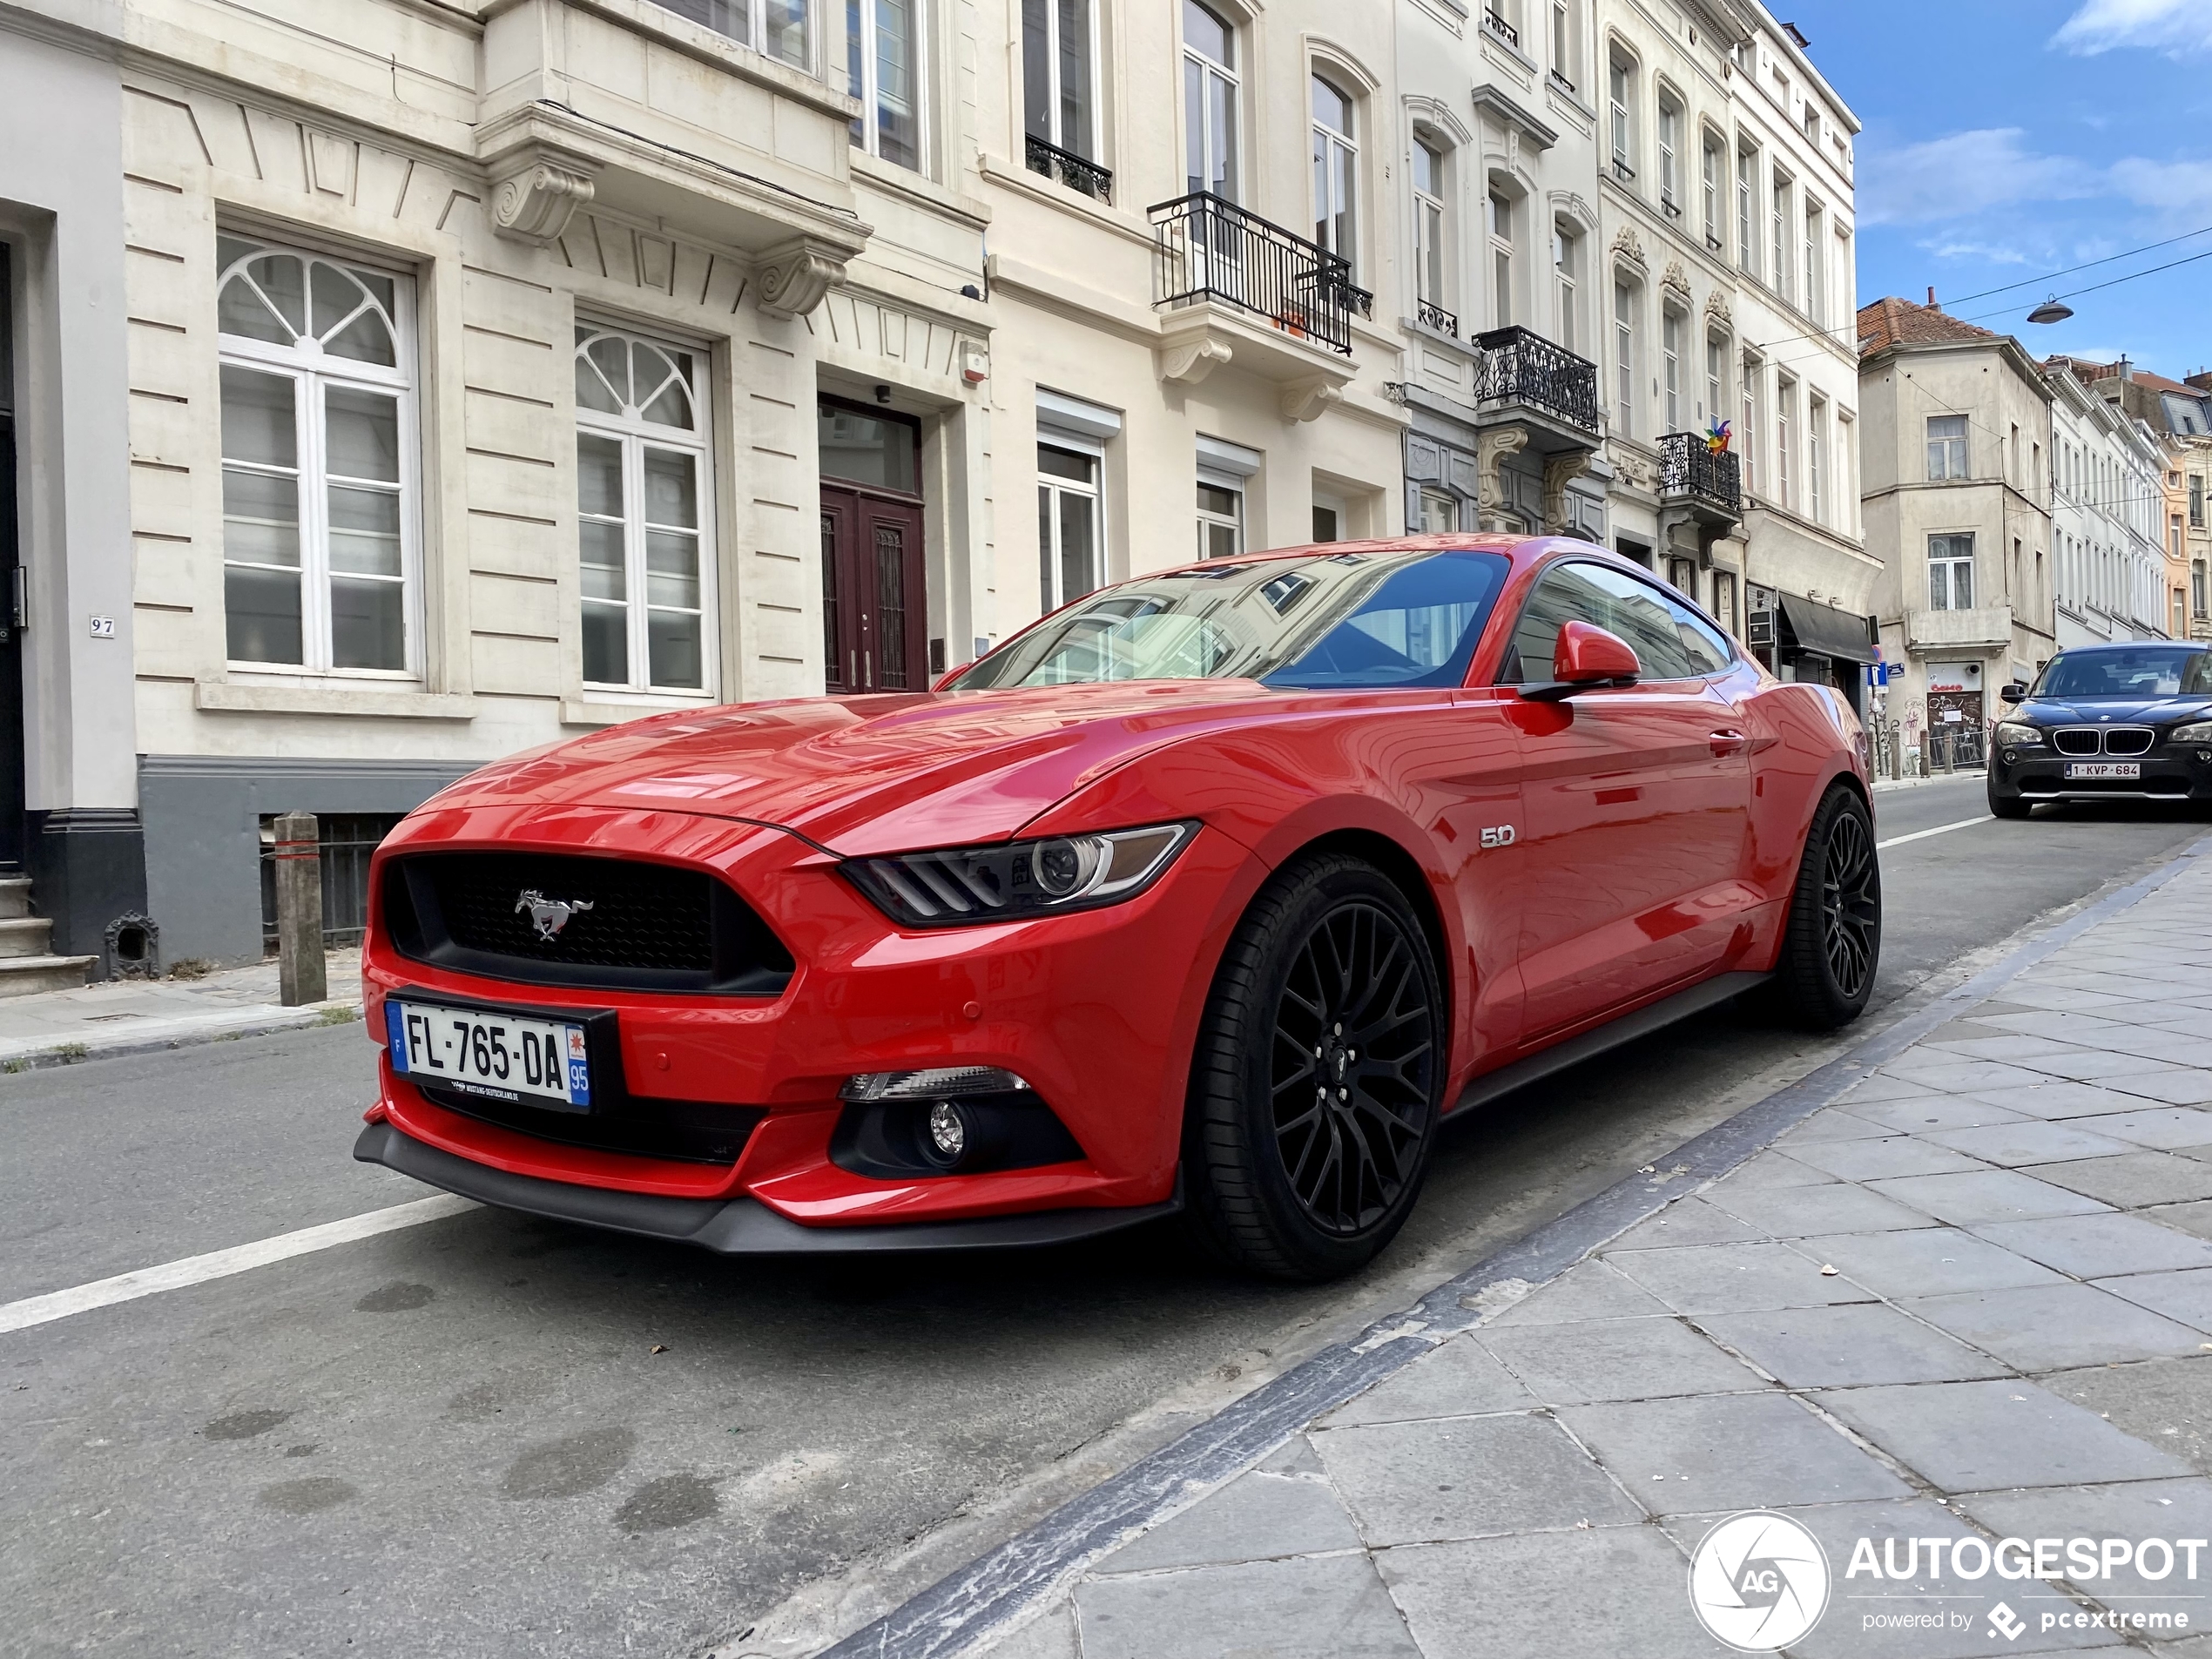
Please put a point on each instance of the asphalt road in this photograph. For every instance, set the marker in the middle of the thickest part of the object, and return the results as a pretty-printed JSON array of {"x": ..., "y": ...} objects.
[{"x": 489, "y": 1435}]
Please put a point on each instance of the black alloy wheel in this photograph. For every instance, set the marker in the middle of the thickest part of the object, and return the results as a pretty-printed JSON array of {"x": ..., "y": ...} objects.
[
  {"x": 1831, "y": 943},
  {"x": 1317, "y": 1079}
]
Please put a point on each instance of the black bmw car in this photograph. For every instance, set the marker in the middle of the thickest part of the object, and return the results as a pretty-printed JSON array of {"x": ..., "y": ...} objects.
[{"x": 2131, "y": 722}]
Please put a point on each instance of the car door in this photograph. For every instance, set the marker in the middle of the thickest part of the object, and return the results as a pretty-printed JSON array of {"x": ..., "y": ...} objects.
[{"x": 1635, "y": 799}]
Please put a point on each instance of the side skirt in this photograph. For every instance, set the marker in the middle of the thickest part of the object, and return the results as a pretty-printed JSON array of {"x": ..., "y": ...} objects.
[{"x": 1612, "y": 1035}]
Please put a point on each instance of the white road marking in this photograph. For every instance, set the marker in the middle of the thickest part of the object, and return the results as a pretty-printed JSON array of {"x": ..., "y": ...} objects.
[
  {"x": 1940, "y": 829},
  {"x": 221, "y": 1263}
]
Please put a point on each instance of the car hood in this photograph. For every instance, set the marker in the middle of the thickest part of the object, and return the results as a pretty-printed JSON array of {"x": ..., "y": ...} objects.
[
  {"x": 868, "y": 774},
  {"x": 2110, "y": 711}
]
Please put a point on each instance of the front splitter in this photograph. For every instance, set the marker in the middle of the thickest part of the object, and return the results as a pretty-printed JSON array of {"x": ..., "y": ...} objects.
[{"x": 732, "y": 1226}]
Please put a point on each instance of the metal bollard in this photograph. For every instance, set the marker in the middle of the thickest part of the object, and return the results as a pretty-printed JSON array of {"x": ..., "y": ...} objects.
[{"x": 302, "y": 977}]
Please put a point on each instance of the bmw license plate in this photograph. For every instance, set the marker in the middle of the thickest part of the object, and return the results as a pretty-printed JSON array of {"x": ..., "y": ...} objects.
[
  {"x": 2104, "y": 769},
  {"x": 493, "y": 1057}
]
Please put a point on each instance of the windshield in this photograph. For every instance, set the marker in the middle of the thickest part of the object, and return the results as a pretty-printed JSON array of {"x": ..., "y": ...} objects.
[
  {"x": 2151, "y": 670},
  {"x": 1339, "y": 621}
]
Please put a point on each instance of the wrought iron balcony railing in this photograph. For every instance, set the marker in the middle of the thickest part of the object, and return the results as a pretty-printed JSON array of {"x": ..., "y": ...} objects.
[
  {"x": 1688, "y": 467},
  {"x": 1521, "y": 367},
  {"x": 1205, "y": 247},
  {"x": 1501, "y": 27},
  {"x": 1435, "y": 316},
  {"x": 1071, "y": 170}
]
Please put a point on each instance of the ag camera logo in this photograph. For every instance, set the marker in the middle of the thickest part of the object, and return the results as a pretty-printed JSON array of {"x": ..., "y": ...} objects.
[{"x": 1759, "y": 1582}]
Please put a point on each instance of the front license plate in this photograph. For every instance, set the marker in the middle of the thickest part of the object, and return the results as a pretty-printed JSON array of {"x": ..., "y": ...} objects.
[
  {"x": 495, "y": 1056},
  {"x": 2104, "y": 769}
]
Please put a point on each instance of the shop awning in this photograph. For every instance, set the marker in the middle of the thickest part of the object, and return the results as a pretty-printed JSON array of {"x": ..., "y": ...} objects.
[{"x": 1827, "y": 630}]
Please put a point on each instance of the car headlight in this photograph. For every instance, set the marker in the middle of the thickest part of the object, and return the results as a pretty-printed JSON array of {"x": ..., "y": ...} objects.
[
  {"x": 962, "y": 886},
  {"x": 2194, "y": 732},
  {"x": 2013, "y": 735}
]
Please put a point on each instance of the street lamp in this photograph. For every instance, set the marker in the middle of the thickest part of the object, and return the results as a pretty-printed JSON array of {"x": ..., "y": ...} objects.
[{"x": 2051, "y": 310}]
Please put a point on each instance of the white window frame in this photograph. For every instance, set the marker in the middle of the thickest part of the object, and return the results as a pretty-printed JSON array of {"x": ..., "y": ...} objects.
[
  {"x": 1747, "y": 209},
  {"x": 860, "y": 48},
  {"x": 1624, "y": 356},
  {"x": 1944, "y": 472},
  {"x": 1949, "y": 561},
  {"x": 1816, "y": 447},
  {"x": 1778, "y": 219},
  {"x": 635, "y": 434},
  {"x": 1714, "y": 169},
  {"x": 1785, "y": 408},
  {"x": 312, "y": 370},
  {"x": 1055, "y": 88},
  {"x": 1336, "y": 164},
  {"x": 1050, "y": 592},
  {"x": 1432, "y": 220},
  {"x": 1233, "y": 522},
  {"x": 1497, "y": 205},
  {"x": 752, "y": 30},
  {"x": 1814, "y": 219},
  {"x": 1749, "y": 446},
  {"x": 1226, "y": 76},
  {"x": 1567, "y": 253},
  {"x": 1563, "y": 65},
  {"x": 1671, "y": 119},
  {"x": 1716, "y": 377},
  {"x": 1670, "y": 332},
  {"x": 1620, "y": 76}
]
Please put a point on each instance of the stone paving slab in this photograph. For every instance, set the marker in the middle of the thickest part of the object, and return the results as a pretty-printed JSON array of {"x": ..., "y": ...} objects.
[{"x": 1970, "y": 1298}]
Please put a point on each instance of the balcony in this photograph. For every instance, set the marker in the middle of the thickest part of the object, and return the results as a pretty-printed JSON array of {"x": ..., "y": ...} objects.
[
  {"x": 1085, "y": 176},
  {"x": 1526, "y": 378},
  {"x": 1502, "y": 29},
  {"x": 1692, "y": 476},
  {"x": 1206, "y": 249},
  {"x": 1435, "y": 316},
  {"x": 1991, "y": 625}
]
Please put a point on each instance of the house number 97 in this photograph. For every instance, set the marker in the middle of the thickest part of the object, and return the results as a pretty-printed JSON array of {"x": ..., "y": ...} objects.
[{"x": 103, "y": 627}]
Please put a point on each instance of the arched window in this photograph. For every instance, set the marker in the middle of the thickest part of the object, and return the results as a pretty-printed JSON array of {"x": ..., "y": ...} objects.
[
  {"x": 644, "y": 504},
  {"x": 319, "y": 461},
  {"x": 1210, "y": 113},
  {"x": 1336, "y": 171}
]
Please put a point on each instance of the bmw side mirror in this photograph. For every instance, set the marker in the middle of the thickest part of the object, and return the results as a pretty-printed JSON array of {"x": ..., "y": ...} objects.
[{"x": 2015, "y": 692}]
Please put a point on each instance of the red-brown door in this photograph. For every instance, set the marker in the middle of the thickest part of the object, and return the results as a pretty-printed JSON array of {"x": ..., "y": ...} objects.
[{"x": 875, "y": 611}]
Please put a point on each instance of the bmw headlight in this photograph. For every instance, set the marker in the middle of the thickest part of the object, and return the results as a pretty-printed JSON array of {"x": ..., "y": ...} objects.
[
  {"x": 2194, "y": 732},
  {"x": 2013, "y": 735},
  {"x": 963, "y": 886}
]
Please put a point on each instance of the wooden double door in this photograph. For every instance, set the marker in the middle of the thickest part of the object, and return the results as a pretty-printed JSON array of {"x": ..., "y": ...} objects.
[{"x": 875, "y": 608}]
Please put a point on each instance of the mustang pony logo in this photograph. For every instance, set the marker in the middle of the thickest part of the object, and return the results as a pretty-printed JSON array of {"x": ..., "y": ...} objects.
[{"x": 547, "y": 915}]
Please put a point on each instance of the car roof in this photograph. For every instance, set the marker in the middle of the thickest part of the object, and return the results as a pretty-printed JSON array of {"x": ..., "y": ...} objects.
[{"x": 1523, "y": 548}]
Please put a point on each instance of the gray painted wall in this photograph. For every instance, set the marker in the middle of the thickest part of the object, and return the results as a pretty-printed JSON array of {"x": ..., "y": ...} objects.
[{"x": 203, "y": 815}]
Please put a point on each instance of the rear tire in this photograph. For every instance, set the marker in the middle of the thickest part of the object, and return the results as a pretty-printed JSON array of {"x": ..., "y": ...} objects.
[
  {"x": 1832, "y": 943},
  {"x": 1318, "y": 1076}
]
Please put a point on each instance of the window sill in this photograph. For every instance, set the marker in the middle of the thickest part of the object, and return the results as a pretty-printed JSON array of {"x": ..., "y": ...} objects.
[
  {"x": 918, "y": 187},
  {"x": 611, "y": 708},
  {"x": 712, "y": 46},
  {"x": 361, "y": 700}
]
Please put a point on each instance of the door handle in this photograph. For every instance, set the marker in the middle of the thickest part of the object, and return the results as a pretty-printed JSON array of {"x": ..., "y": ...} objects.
[{"x": 1729, "y": 743}]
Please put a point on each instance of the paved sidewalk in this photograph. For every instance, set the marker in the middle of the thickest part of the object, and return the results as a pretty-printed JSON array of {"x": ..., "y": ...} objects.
[
  {"x": 1973, "y": 1297},
  {"x": 126, "y": 1016}
]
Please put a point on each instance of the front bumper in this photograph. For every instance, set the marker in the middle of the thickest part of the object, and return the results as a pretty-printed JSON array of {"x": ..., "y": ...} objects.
[
  {"x": 2041, "y": 775},
  {"x": 730, "y": 1226},
  {"x": 1097, "y": 1010}
]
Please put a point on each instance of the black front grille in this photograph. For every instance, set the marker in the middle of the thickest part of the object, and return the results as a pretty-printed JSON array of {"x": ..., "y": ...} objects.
[
  {"x": 614, "y": 923},
  {"x": 2075, "y": 739},
  {"x": 692, "y": 1132},
  {"x": 2128, "y": 740}
]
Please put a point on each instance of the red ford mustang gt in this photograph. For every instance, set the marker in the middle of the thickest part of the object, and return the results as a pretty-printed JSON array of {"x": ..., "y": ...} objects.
[{"x": 1214, "y": 892}]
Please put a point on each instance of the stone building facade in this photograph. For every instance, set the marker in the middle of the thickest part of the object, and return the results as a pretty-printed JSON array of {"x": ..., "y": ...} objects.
[{"x": 2108, "y": 506}]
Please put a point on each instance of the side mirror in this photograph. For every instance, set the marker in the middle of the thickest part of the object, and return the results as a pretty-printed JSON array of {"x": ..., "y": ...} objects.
[
  {"x": 1585, "y": 655},
  {"x": 2015, "y": 692}
]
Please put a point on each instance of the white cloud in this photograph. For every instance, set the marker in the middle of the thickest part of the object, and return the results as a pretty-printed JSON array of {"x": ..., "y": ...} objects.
[
  {"x": 2180, "y": 189},
  {"x": 1989, "y": 253},
  {"x": 1966, "y": 174},
  {"x": 2175, "y": 27}
]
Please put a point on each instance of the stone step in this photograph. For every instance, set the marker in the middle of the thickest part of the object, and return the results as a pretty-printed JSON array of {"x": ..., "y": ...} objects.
[
  {"x": 26, "y": 976},
  {"x": 15, "y": 896},
  {"x": 25, "y": 936}
]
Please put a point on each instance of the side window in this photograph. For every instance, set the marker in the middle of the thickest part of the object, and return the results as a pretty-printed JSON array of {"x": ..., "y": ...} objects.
[{"x": 1671, "y": 641}]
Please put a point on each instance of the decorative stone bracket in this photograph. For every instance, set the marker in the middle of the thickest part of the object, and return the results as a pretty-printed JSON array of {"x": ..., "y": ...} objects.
[
  {"x": 1491, "y": 450},
  {"x": 792, "y": 278},
  {"x": 1305, "y": 399},
  {"x": 1188, "y": 361},
  {"x": 1560, "y": 470},
  {"x": 535, "y": 190}
]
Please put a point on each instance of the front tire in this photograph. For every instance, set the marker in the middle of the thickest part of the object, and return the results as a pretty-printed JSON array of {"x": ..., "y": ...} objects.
[
  {"x": 2002, "y": 805},
  {"x": 1318, "y": 1076},
  {"x": 1832, "y": 942}
]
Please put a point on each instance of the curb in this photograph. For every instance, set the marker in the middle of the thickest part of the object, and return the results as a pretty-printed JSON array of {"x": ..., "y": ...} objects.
[
  {"x": 992, "y": 1592},
  {"x": 256, "y": 1025}
]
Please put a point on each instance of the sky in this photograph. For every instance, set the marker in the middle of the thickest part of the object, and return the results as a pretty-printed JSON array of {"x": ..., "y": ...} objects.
[{"x": 2005, "y": 139}]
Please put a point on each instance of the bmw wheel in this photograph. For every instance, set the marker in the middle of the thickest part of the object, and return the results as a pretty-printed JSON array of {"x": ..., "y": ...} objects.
[
  {"x": 1831, "y": 943},
  {"x": 2007, "y": 803},
  {"x": 1318, "y": 1076}
]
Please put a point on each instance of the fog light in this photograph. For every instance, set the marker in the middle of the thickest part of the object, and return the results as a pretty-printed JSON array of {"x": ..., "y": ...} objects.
[
  {"x": 947, "y": 1131},
  {"x": 2011, "y": 755},
  {"x": 937, "y": 1080},
  {"x": 2204, "y": 754}
]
